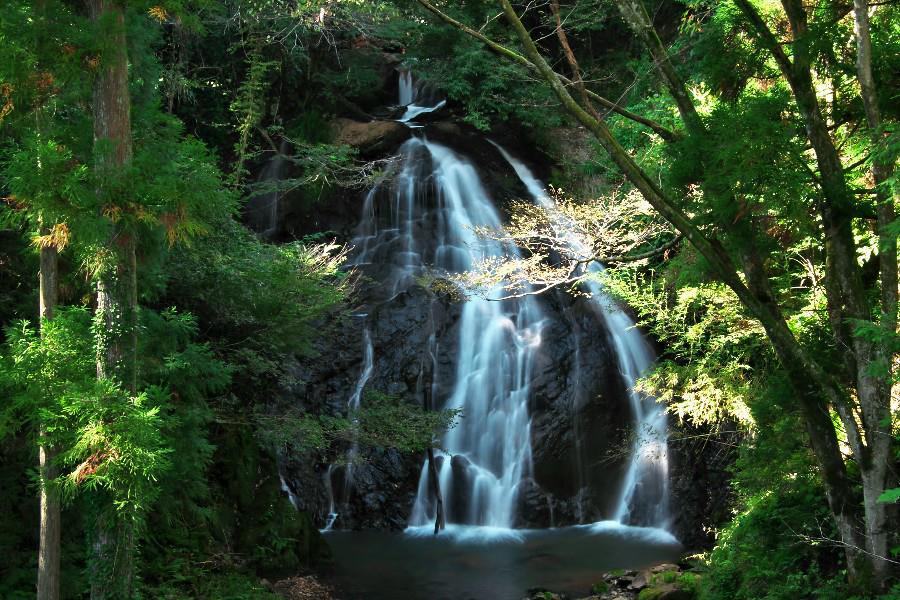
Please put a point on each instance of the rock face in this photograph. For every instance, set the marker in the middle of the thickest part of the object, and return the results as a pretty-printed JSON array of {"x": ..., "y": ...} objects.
[
  {"x": 369, "y": 137},
  {"x": 700, "y": 464},
  {"x": 580, "y": 418}
]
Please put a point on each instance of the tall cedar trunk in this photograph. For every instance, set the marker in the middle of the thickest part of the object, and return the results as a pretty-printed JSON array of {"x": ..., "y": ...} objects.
[
  {"x": 114, "y": 537},
  {"x": 814, "y": 387},
  {"x": 50, "y": 515},
  {"x": 49, "y": 550}
]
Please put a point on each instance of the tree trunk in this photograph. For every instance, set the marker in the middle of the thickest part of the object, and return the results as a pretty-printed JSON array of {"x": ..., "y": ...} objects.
[
  {"x": 635, "y": 15},
  {"x": 814, "y": 387},
  {"x": 48, "y": 585},
  {"x": 875, "y": 479},
  {"x": 112, "y": 572},
  {"x": 439, "y": 522},
  {"x": 116, "y": 288},
  {"x": 427, "y": 381},
  {"x": 845, "y": 290},
  {"x": 49, "y": 549}
]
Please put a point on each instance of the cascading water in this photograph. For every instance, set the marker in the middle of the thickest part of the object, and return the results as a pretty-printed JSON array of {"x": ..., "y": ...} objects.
[
  {"x": 489, "y": 452},
  {"x": 488, "y": 359},
  {"x": 353, "y": 404},
  {"x": 411, "y": 96},
  {"x": 261, "y": 210},
  {"x": 425, "y": 221},
  {"x": 644, "y": 496}
]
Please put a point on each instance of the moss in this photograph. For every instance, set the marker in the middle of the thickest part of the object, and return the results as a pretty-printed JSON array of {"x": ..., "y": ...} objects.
[
  {"x": 256, "y": 517},
  {"x": 600, "y": 588}
]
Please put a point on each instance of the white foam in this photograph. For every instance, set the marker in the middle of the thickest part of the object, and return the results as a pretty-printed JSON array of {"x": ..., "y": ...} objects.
[
  {"x": 469, "y": 534},
  {"x": 649, "y": 534}
]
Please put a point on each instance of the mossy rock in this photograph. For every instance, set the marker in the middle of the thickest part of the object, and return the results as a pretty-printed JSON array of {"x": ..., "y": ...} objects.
[
  {"x": 255, "y": 517},
  {"x": 667, "y": 591}
]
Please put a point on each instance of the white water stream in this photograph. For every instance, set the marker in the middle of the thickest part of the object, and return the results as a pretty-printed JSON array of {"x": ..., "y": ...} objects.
[
  {"x": 644, "y": 496},
  {"x": 410, "y": 95},
  {"x": 489, "y": 452},
  {"x": 434, "y": 204},
  {"x": 353, "y": 404}
]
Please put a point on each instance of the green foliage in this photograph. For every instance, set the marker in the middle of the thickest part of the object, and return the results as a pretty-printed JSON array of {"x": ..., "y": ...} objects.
[
  {"x": 712, "y": 346},
  {"x": 118, "y": 448},
  {"x": 763, "y": 554},
  {"x": 691, "y": 582},
  {"x": 381, "y": 422},
  {"x": 355, "y": 75},
  {"x": 267, "y": 297},
  {"x": 779, "y": 545},
  {"x": 600, "y": 588},
  {"x": 490, "y": 90},
  {"x": 227, "y": 585},
  {"x": 388, "y": 422}
]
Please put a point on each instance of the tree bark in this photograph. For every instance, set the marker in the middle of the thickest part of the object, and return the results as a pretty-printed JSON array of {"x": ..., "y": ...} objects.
[
  {"x": 114, "y": 536},
  {"x": 116, "y": 288},
  {"x": 846, "y": 293},
  {"x": 428, "y": 404},
  {"x": 664, "y": 133},
  {"x": 439, "y": 522},
  {"x": 875, "y": 479},
  {"x": 48, "y": 577},
  {"x": 635, "y": 15},
  {"x": 49, "y": 549}
]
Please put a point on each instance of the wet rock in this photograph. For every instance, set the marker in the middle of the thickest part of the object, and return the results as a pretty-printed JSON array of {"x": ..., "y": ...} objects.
[
  {"x": 700, "y": 467},
  {"x": 369, "y": 137},
  {"x": 639, "y": 581},
  {"x": 542, "y": 594},
  {"x": 459, "y": 499},
  {"x": 536, "y": 508},
  {"x": 666, "y": 591},
  {"x": 663, "y": 568},
  {"x": 580, "y": 415},
  {"x": 302, "y": 588}
]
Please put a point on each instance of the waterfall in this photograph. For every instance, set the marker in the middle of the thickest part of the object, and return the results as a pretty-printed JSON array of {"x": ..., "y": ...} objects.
[
  {"x": 643, "y": 499},
  {"x": 423, "y": 221},
  {"x": 261, "y": 210},
  {"x": 353, "y": 404},
  {"x": 332, "y": 509},
  {"x": 407, "y": 88},
  {"x": 489, "y": 452},
  {"x": 412, "y": 97}
]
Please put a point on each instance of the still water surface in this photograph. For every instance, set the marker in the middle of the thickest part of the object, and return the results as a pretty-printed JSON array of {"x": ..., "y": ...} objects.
[{"x": 477, "y": 563}]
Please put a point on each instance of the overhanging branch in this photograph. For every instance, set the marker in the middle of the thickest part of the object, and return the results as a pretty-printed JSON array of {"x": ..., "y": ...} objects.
[{"x": 666, "y": 134}]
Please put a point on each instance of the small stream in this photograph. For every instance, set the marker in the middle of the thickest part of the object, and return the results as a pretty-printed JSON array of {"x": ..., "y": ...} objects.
[{"x": 476, "y": 563}]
